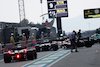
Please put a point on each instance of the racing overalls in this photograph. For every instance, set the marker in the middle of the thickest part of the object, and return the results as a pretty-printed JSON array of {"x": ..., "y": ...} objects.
[
  {"x": 12, "y": 41},
  {"x": 24, "y": 38}
]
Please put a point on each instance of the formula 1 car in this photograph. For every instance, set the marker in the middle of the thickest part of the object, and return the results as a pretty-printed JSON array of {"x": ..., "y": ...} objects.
[
  {"x": 20, "y": 53},
  {"x": 95, "y": 38},
  {"x": 46, "y": 45}
]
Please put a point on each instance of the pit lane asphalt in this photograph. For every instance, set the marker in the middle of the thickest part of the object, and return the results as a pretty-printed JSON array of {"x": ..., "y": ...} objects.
[{"x": 86, "y": 57}]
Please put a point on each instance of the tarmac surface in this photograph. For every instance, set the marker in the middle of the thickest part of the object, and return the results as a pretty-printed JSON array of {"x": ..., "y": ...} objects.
[{"x": 86, "y": 57}]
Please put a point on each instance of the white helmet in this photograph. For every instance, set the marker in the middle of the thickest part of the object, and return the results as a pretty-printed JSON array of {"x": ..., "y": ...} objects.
[
  {"x": 32, "y": 33},
  {"x": 23, "y": 33},
  {"x": 42, "y": 32},
  {"x": 12, "y": 34}
]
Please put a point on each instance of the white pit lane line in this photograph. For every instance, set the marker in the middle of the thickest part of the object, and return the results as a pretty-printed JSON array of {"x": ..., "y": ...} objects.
[{"x": 49, "y": 60}]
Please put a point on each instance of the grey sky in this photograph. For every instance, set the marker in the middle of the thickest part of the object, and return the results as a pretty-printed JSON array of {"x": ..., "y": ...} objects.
[{"x": 9, "y": 12}]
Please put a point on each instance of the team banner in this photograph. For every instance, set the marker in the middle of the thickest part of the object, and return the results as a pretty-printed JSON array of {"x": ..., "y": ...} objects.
[{"x": 92, "y": 13}]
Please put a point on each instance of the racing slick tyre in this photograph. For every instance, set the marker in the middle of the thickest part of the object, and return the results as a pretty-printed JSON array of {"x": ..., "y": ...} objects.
[
  {"x": 98, "y": 40},
  {"x": 35, "y": 54},
  {"x": 88, "y": 44},
  {"x": 30, "y": 55},
  {"x": 93, "y": 41},
  {"x": 55, "y": 47},
  {"x": 7, "y": 58}
]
